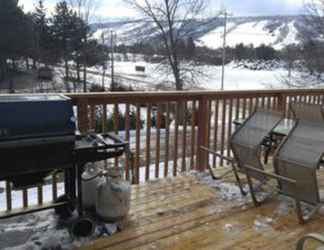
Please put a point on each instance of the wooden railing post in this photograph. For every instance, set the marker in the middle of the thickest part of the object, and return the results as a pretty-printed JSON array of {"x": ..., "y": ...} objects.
[
  {"x": 83, "y": 116},
  {"x": 281, "y": 103},
  {"x": 202, "y": 156}
]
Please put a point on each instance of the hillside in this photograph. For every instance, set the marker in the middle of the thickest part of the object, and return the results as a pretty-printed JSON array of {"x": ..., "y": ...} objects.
[{"x": 277, "y": 31}]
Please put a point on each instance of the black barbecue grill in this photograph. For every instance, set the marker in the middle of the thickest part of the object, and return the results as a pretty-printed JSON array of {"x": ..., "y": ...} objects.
[{"x": 38, "y": 136}]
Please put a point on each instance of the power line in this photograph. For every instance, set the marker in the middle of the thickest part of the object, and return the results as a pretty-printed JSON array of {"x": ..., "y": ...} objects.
[{"x": 113, "y": 39}]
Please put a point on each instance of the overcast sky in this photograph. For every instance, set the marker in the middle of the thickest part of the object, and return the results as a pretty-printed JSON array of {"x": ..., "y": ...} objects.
[{"x": 116, "y": 8}]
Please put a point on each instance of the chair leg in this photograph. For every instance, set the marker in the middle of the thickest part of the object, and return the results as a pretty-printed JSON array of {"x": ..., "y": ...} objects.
[
  {"x": 250, "y": 183},
  {"x": 299, "y": 212},
  {"x": 237, "y": 177},
  {"x": 301, "y": 217},
  {"x": 217, "y": 177},
  {"x": 238, "y": 180}
]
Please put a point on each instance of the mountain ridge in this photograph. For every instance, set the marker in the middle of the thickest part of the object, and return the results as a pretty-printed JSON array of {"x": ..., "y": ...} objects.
[{"x": 277, "y": 31}]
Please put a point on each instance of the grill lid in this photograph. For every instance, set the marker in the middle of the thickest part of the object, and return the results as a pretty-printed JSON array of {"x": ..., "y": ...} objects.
[{"x": 34, "y": 116}]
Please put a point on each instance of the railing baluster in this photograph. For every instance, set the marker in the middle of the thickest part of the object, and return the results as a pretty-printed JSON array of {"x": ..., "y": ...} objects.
[
  {"x": 288, "y": 107},
  {"x": 184, "y": 138},
  {"x": 216, "y": 130},
  {"x": 127, "y": 138},
  {"x": 138, "y": 145},
  {"x": 276, "y": 103},
  {"x": 25, "y": 197},
  {"x": 262, "y": 102},
  {"x": 237, "y": 108},
  {"x": 193, "y": 135},
  {"x": 230, "y": 123},
  {"x": 167, "y": 139},
  {"x": 92, "y": 117},
  {"x": 176, "y": 134},
  {"x": 8, "y": 196},
  {"x": 257, "y": 102},
  {"x": 244, "y": 108},
  {"x": 158, "y": 141},
  {"x": 54, "y": 187},
  {"x": 148, "y": 142},
  {"x": 250, "y": 105},
  {"x": 104, "y": 118},
  {"x": 223, "y": 128},
  {"x": 269, "y": 101},
  {"x": 40, "y": 194},
  {"x": 116, "y": 127}
]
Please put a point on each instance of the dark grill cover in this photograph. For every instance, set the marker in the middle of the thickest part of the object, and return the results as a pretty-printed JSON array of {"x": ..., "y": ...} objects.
[{"x": 32, "y": 116}]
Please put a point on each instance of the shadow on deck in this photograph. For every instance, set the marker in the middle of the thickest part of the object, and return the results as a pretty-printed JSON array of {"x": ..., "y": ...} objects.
[{"x": 186, "y": 213}]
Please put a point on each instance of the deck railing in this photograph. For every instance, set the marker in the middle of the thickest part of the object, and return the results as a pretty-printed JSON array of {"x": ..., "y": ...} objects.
[{"x": 166, "y": 129}]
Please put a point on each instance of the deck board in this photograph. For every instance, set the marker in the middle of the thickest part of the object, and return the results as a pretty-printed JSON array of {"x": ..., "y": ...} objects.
[{"x": 182, "y": 213}]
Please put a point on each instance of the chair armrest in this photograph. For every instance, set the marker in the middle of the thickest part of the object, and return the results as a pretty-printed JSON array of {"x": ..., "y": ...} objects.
[
  {"x": 229, "y": 159},
  {"x": 271, "y": 175}
]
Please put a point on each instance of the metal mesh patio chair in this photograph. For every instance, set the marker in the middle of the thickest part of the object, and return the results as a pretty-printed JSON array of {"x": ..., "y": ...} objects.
[
  {"x": 314, "y": 237},
  {"x": 246, "y": 144},
  {"x": 300, "y": 154}
]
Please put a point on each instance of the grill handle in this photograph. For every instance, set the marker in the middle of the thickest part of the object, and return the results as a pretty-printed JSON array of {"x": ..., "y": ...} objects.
[{"x": 118, "y": 141}]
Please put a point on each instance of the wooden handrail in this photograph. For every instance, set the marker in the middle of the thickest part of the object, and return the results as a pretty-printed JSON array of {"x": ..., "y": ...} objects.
[{"x": 160, "y": 96}]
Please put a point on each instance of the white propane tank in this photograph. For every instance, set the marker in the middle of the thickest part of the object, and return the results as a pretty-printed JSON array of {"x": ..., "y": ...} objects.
[
  {"x": 90, "y": 180},
  {"x": 113, "y": 196}
]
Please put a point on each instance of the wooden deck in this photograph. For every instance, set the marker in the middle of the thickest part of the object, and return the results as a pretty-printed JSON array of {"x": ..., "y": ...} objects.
[{"x": 183, "y": 213}]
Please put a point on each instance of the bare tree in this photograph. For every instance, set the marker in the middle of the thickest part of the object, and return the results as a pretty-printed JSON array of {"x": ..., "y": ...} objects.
[
  {"x": 172, "y": 19},
  {"x": 313, "y": 45},
  {"x": 86, "y": 10}
]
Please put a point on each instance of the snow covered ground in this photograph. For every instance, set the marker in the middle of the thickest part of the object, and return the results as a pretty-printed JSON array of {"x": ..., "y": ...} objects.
[{"x": 235, "y": 77}]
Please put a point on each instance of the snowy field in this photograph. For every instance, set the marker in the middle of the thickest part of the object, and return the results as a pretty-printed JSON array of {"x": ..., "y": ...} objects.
[{"x": 236, "y": 78}]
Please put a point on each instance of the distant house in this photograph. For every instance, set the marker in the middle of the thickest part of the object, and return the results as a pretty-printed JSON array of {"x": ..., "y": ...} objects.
[{"x": 139, "y": 68}]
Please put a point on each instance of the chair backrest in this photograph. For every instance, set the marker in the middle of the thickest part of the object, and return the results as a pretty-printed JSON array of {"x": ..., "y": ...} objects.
[
  {"x": 307, "y": 111},
  {"x": 247, "y": 140},
  {"x": 299, "y": 156}
]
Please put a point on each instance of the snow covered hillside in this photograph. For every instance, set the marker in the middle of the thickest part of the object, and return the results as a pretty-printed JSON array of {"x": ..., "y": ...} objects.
[
  {"x": 277, "y": 31},
  {"x": 254, "y": 32}
]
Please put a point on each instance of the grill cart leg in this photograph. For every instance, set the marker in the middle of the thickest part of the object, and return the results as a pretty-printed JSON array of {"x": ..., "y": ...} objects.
[
  {"x": 69, "y": 179},
  {"x": 79, "y": 170},
  {"x": 70, "y": 195}
]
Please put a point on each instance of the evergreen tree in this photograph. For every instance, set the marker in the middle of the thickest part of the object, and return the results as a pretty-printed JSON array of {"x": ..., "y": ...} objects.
[
  {"x": 45, "y": 49},
  {"x": 65, "y": 30},
  {"x": 16, "y": 35}
]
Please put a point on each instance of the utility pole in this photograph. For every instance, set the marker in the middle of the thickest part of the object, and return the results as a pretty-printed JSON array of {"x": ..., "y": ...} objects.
[
  {"x": 226, "y": 14},
  {"x": 104, "y": 65},
  {"x": 113, "y": 87}
]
